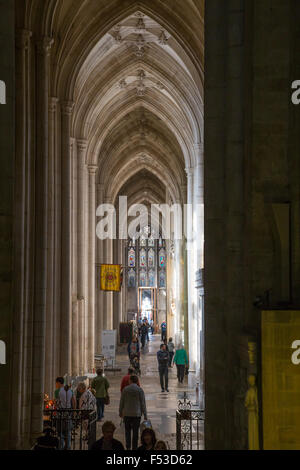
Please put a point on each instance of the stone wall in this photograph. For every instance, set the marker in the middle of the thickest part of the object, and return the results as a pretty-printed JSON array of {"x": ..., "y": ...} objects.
[
  {"x": 6, "y": 204},
  {"x": 251, "y": 176}
]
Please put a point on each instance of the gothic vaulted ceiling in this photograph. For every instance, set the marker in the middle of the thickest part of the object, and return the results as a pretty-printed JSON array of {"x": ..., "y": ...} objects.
[{"x": 134, "y": 71}]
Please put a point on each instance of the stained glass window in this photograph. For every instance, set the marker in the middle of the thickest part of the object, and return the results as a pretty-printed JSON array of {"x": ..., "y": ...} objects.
[
  {"x": 151, "y": 258},
  {"x": 143, "y": 278},
  {"x": 151, "y": 278},
  {"x": 131, "y": 278},
  {"x": 143, "y": 241},
  {"x": 162, "y": 258},
  {"x": 143, "y": 258},
  {"x": 151, "y": 241},
  {"x": 162, "y": 278},
  {"x": 131, "y": 258},
  {"x": 146, "y": 260}
]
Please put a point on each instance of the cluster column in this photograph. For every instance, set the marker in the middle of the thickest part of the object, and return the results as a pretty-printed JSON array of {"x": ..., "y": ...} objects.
[
  {"x": 82, "y": 222},
  {"x": 66, "y": 220},
  {"x": 41, "y": 196},
  {"x": 192, "y": 345},
  {"x": 92, "y": 169}
]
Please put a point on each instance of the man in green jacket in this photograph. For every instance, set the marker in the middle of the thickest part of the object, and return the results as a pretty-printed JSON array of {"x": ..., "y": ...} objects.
[
  {"x": 181, "y": 361},
  {"x": 101, "y": 385}
]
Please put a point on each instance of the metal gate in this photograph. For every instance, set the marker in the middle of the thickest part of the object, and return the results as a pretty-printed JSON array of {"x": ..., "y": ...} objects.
[
  {"x": 74, "y": 427},
  {"x": 189, "y": 426}
]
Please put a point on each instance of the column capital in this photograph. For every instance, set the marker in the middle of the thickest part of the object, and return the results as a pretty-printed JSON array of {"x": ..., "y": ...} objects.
[
  {"x": 53, "y": 104},
  {"x": 67, "y": 107},
  {"x": 23, "y": 38},
  {"x": 92, "y": 168},
  {"x": 44, "y": 45},
  {"x": 82, "y": 145}
]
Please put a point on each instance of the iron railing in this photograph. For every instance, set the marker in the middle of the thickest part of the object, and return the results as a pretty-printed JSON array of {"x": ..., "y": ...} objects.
[
  {"x": 189, "y": 426},
  {"x": 75, "y": 429}
]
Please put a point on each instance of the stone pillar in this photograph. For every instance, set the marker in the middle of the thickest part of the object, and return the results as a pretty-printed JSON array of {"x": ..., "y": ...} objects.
[
  {"x": 66, "y": 220},
  {"x": 191, "y": 270},
  {"x": 82, "y": 244},
  {"x": 92, "y": 169},
  {"x": 198, "y": 214},
  {"x": 22, "y": 46},
  {"x": 51, "y": 318},
  {"x": 100, "y": 324},
  {"x": 199, "y": 204},
  {"x": 108, "y": 259},
  {"x": 41, "y": 195},
  {"x": 75, "y": 358}
]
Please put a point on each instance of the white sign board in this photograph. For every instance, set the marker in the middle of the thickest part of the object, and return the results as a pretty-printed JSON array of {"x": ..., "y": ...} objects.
[{"x": 109, "y": 344}]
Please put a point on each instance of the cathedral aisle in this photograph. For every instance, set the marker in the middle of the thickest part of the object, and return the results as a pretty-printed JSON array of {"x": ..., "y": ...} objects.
[{"x": 161, "y": 407}]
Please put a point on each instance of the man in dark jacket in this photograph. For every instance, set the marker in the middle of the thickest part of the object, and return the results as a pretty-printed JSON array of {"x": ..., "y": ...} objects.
[
  {"x": 132, "y": 407},
  {"x": 144, "y": 333},
  {"x": 107, "y": 442},
  {"x": 163, "y": 363}
]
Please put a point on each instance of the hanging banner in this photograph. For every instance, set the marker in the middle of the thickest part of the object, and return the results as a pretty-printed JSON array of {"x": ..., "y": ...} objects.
[
  {"x": 110, "y": 277},
  {"x": 280, "y": 349}
]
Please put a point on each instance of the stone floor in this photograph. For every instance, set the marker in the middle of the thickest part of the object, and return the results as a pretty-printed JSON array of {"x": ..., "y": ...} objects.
[{"x": 161, "y": 407}]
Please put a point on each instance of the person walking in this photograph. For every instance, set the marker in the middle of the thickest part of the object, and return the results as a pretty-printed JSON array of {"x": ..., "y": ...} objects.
[
  {"x": 163, "y": 327},
  {"x": 181, "y": 361},
  {"x": 132, "y": 407},
  {"x": 133, "y": 348},
  {"x": 126, "y": 379},
  {"x": 163, "y": 362},
  {"x": 147, "y": 334},
  {"x": 144, "y": 332},
  {"x": 101, "y": 385},
  {"x": 171, "y": 349}
]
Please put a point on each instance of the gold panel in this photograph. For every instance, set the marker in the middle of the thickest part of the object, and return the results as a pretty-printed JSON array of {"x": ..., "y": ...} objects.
[{"x": 280, "y": 380}]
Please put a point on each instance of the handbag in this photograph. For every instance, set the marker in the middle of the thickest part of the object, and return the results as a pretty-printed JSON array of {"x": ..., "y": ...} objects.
[
  {"x": 146, "y": 424},
  {"x": 107, "y": 400}
]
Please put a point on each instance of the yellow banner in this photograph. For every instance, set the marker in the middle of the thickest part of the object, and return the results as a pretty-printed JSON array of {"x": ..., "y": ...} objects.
[
  {"x": 281, "y": 379},
  {"x": 110, "y": 277}
]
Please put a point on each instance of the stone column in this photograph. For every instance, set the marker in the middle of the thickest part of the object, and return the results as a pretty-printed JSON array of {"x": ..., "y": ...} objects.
[
  {"x": 75, "y": 337},
  {"x": 108, "y": 259},
  {"x": 92, "y": 169},
  {"x": 66, "y": 219},
  {"x": 81, "y": 244},
  {"x": 191, "y": 269},
  {"x": 199, "y": 204},
  {"x": 22, "y": 46},
  {"x": 51, "y": 318},
  {"x": 100, "y": 324},
  {"x": 41, "y": 195},
  {"x": 199, "y": 240}
]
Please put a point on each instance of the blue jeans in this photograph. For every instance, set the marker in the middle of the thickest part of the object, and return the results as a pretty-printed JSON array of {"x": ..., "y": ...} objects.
[
  {"x": 100, "y": 408},
  {"x": 64, "y": 429}
]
